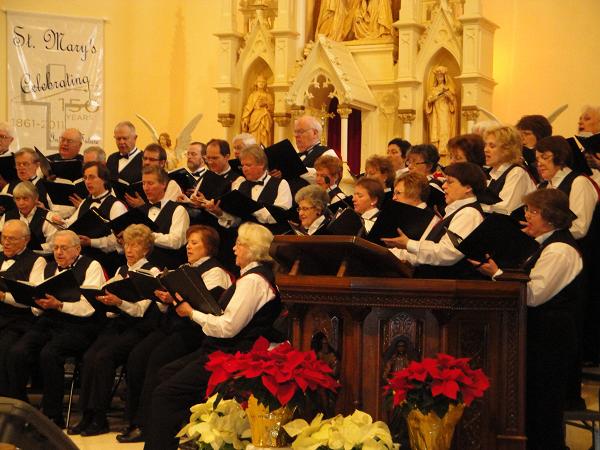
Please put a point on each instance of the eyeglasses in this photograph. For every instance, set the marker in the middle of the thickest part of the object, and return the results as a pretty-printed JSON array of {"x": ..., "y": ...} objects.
[
  {"x": 68, "y": 141},
  {"x": 305, "y": 208},
  {"x": 5, "y": 136},
  {"x": 414, "y": 163},
  {"x": 11, "y": 239},
  {"x": 301, "y": 131},
  {"x": 147, "y": 158},
  {"x": 62, "y": 248},
  {"x": 532, "y": 211},
  {"x": 23, "y": 163}
]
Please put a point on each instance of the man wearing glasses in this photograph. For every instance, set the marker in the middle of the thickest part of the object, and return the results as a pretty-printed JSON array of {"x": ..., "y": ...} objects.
[
  {"x": 65, "y": 328},
  {"x": 19, "y": 263},
  {"x": 307, "y": 133},
  {"x": 69, "y": 145},
  {"x": 27, "y": 162},
  {"x": 6, "y": 138},
  {"x": 125, "y": 164}
]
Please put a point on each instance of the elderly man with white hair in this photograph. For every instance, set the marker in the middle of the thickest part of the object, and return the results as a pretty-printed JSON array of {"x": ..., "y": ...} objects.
[
  {"x": 6, "y": 137},
  {"x": 589, "y": 121},
  {"x": 19, "y": 263},
  {"x": 307, "y": 133},
  {"x": 66, "y": 327}
]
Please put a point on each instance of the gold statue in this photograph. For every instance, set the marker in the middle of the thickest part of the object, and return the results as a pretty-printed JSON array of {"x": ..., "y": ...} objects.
[
  {"x": 335, "y": 19},
  {"x": 373, "y": 19},
  {"x": 440, "y": 107},
  {"x": 257, "y": 116}
]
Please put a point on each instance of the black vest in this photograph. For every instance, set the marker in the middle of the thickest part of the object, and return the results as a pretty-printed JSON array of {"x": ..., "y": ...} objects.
[
  {"x": 337, "y": 191},
  {"x": 103, "y": 209},
  {"x": 231, "y": 176},
  {"x": 462, "y": 269},
  {"x": 312, "y": 155},
  {"x": 79, "y": 270},
  {"x": 132, "y": 173},
  {"x": 35, "y": 226},
  {"x": 57, "y": 157},
  {"x": 20, "y": 270},
  {"x": 496, "y": 185},
  {"x": 569, "y": 298},
  {"x": 269, "y": 193},
  {"x": 165, "y": 257},
  {"x": 260, "y": 325}
]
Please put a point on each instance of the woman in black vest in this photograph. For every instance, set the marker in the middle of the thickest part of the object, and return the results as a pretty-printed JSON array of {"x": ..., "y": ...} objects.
[
  {"x": 250, "y": 308},
  {"x": 175, "y": 336},
  {"x": 552, "y": 297},
  {"x": 25, "y": 195},
  {"x": 424, "y": 159},
  {"x": 121, "y": 333},
  {"x": 329, "y": 174},
  {"x": 436, "y": 255},
  {"x": 380, "y": 168},
  {"x": 367, "y": 199},
  {"x": 101, "y": 248},
  {"x": 508, "y": 179},
  {"x": 312, "y": 207}
]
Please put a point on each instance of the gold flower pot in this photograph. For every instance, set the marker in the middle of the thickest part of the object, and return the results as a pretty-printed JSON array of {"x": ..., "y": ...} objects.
[
  {"x": 266, "y": 427},
  {"x": 429, "y": 432}
]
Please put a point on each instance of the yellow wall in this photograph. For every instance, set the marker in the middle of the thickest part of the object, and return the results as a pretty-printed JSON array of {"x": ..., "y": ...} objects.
[{"x": 160, "y": 59}]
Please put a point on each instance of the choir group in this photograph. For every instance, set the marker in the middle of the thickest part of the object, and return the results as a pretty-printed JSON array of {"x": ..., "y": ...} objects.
[{"x": 117, "y": 262}]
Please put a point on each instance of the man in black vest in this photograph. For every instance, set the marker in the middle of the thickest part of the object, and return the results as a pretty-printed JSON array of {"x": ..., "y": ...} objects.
[
  {"x": 217, "y": 159},
  {"x": 307, "y": 132},
  {"x": 19, "y": 263},
  {"x": 103, "y": 249},
  {"x": 65, "y": 328},
  {"x": 127, "y": 163},
  {"x": 27, "y": 162},
  {"x": 259, "y": 186},
  {"x": 171, "y": 219},
  {"x": 69, "y": 145}
]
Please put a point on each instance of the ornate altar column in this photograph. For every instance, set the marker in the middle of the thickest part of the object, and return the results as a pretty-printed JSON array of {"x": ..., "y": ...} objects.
[
  {"x": 470, "y": 115},
  {"x": 407, "y": 117},
  {"x": 230, "y": 41},
  {"x": 344, "y": 111}
]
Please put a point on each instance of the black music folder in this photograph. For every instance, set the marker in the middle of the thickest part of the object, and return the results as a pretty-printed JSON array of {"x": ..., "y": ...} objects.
[
  {"x": 236, "y": 203},
  {"x": 8, "y": 169},
  {"x": 213, "y": 186},
  {"x": 61, "y": 189},
  {"x": 7, "y": 203},
  {"x": 133, "y": 216},
  {"x": 63, "y": 286},
  {"x": 282, "y": 156},
  {"x": 91, "y": 224},
  {"x": 347, "y": 223},
  {"x": 346, "y": 202},
  {"x": 69, "y": 169},
  {"x": 146, "y": 283},
  {"x": 122, "y": 187},
  {"x": 188, "y": 283},
  {"x": 488, "y": 197},
  {"x": 500, "y": 237},
  {"x": 183, "y": 178},
  {"x": 411, "y": 220},
  {"x": 123, "y": 288},
  {"x": 578, "y": 162}
]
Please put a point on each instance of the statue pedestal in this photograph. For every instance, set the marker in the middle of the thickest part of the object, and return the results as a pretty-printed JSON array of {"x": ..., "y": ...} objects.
[{"x": 374, "y": 57}]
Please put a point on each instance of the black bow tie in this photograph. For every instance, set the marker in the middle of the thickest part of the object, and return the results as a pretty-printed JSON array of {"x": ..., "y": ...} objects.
[
  {"x": 257, "y": 183},
  {"x": 9, "y": 259},
  {"x": 99, "y": 199},
  {"x": 304, "y": 153},
  {"x": 60, "y": 269},
  {"x": 123, "y": 156},
  {"x": 155, "y": 205}
]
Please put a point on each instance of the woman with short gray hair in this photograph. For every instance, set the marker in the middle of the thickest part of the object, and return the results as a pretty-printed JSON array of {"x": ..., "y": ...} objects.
[{"x": 312, "y": 204}]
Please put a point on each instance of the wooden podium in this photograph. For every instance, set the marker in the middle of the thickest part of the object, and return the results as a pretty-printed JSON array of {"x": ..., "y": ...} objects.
[{"x": 363, "y": 317}]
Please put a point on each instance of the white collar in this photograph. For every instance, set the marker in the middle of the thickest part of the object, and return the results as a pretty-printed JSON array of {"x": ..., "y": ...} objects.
[
  {"x": 559, "y": 176},
  {"x": 138, "y": 264},
  {"x": 200, "y": 261},
  {"x": 248, "y": 267},
  {"x": 456, "y": 204},
  {"x": 315, "y": 225},
  {"x": 542, "y": 237},
  {"x": 498, "y": 171}
]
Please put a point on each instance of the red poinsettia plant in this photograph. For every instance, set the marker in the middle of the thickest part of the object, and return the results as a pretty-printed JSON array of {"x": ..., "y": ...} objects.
[
  {"x": 282, "y": 376},
  {"x": 433, "y": 384}
]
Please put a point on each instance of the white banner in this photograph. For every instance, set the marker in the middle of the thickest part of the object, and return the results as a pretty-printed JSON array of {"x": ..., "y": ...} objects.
[{"x": 55, "y": 78}]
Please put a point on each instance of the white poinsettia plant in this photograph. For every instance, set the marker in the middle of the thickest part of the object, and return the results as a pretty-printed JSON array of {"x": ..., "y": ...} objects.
[
  {"x": 224, "y": 427},
  {"x": 354, "y": 432}
]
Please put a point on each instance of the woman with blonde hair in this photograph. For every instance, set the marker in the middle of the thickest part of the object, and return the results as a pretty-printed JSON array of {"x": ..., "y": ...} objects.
[{"x": 508, "y": 178}]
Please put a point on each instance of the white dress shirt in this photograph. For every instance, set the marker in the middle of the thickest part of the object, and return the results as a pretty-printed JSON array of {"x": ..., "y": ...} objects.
[
  {"x": 443, "y": 253},
  {"x": 37, "y": 272},
  {"x": 94, "y": 278},
  {"x": 173, "y": 191},
  {"x": 582, "y": 201},
  {"x": 403, "y": 254},
  {"x": 123, "y": 162},
  {"x": 369, "y": 218},
  {"x": 252, "y": 292},
  {"x": 315, "y": 225},
  {"x": 180, "y": 222},
  {"x": 517, "y": 184},
  {"x": 557, "y": 266}
]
